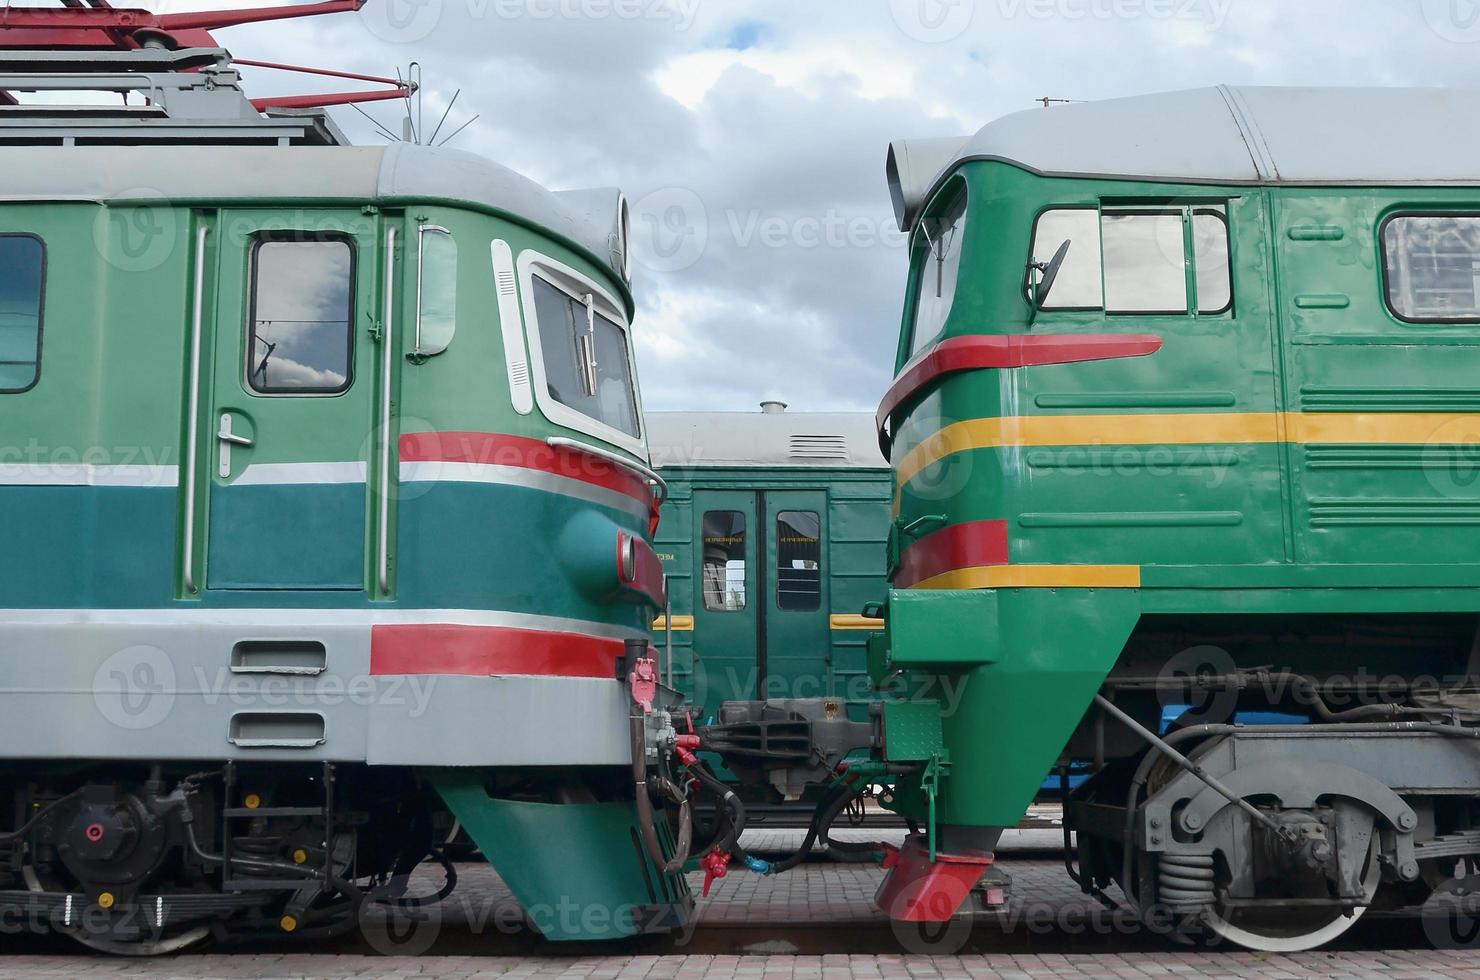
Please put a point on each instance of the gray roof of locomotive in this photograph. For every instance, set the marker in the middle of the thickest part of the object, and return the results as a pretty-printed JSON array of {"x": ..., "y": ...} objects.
[{"x": 1223, "y": 135}]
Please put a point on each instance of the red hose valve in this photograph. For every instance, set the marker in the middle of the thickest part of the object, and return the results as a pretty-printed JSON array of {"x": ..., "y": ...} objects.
[
  {"x": 685, "y": 745},
  {"x": 715, "y": 864}
]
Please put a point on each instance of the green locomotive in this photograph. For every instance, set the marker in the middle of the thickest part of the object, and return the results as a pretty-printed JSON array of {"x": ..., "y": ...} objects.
[{"x": 1187, "y": 413}]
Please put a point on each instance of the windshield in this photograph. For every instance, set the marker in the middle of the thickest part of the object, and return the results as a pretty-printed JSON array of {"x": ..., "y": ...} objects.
[
  {"x": 938, "y": 244},
  {"x": 587, "y": 365}
]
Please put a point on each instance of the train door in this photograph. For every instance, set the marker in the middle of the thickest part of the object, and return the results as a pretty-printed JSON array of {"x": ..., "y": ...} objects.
[
  {"x": 760, "y": 610},
  {"x": 727, "y": 588},
  {"x": 796, "y": 645},
  {"x": 289, "y": 417}
]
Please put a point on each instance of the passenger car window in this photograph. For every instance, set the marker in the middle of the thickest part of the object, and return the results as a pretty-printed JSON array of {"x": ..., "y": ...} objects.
[
  {"x": 939, "y": 247},
  {"x": 1078, "y": 286},
  {"x": 436, "y": 292},
  {"x": 586, "y": 361},
  {"x": 798, "y": 560},
  {"x": 1433, "y": 266},
  {"x": 301, "y": 338},
  {"x": 22, "y": 265},
  {"x": 724, "y": 561}
]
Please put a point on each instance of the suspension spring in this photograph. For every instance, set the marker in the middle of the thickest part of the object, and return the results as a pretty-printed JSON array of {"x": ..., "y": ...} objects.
[
  {"x": 1185, "y": 881},
  {"x": 256, "y": 849}
]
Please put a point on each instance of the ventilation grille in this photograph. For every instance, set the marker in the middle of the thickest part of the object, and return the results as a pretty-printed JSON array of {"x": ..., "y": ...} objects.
[
  {"x": 819, "y": 447},
  {"x": 506, "y": 283}
]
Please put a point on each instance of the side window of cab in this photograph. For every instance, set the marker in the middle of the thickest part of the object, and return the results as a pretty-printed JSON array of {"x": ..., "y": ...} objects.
[
  {"x": 936, "y": 254},
  {"x": 1133, "y": 261}
]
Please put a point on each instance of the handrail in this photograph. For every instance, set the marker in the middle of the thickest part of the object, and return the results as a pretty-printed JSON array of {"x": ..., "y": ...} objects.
[
  {"x": 387, "y": 339},
  {"x": 192, "y": 411},
  {"x": 646, "y": 472}
]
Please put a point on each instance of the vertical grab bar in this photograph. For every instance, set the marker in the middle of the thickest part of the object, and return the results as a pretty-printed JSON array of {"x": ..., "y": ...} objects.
[
  {"x": 388, "y": 336},
  {"x": 192, "y": 411}
]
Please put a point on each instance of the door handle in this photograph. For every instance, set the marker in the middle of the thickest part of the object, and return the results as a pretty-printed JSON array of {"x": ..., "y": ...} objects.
[{"x": 227, "y": 439}]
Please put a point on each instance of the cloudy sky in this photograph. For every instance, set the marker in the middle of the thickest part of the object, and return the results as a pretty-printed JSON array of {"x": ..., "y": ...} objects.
[{"x": 751, "y": 136}]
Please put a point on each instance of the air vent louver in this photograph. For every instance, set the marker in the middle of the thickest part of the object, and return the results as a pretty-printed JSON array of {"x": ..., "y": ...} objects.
[{"x": 819, "y": 447}]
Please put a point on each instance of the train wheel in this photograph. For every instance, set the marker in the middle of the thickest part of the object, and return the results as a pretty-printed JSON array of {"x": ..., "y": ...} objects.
[
  {"x": 153, "y": 946},
  {"x": 139, "y": 943},
  {"x": 1283, "y": 928}
]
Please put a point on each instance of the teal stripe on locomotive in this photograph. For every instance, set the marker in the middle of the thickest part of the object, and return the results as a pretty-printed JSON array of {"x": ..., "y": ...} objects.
[
  {"x": 304, "y": 536},
  {"x": 87, "y": 547},
  {"x": 459, "y": 545}
]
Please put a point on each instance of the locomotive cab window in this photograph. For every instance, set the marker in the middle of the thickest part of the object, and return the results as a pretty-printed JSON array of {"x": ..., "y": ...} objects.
[
  {"x": 22, "y": 272},
  {"x": 1146, "y": 261},
  {"x": 585, "y": 356},
  {"x": 301, "y": 337},
  {"x": 798, "y": 561},
  {"x": 436, "y": 292},
  {"x": 938, "y": 245},
  {"x": 723, "y": 568},
  {"x": 1433, "y": 267}
]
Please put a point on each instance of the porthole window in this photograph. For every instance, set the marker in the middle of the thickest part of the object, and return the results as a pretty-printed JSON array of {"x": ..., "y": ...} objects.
[
  {"x": 22, "y": 274},
  {"x": 301, "y": 337},
  {"x": 436, "y": 291},
  {"x": 1433, "y": 267}
]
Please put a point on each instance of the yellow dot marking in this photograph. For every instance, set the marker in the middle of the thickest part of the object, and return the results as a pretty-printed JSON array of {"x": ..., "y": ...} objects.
[
  {"x": 105, "y": 900},
  {"x": 300, "y": 856},
  {"x": 253, "y": 801},
  {"x": 287, "y": 923}
]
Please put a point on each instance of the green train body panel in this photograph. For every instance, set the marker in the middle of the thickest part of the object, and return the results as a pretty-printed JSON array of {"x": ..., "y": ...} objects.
[
  {"x": 1304, "y": 453},
  {"x": 573, "y": 867}
]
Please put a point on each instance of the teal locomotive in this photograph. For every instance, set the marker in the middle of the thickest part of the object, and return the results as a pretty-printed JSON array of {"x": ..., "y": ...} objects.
[{"x": 328, "y": 515}]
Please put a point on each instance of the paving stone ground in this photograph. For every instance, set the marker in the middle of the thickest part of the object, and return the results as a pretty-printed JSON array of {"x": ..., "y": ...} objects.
[{"x": 1073, "y": 938}]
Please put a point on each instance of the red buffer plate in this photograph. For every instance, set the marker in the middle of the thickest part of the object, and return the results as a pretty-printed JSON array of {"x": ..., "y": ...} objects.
[{"x": 919, "y": 890}]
